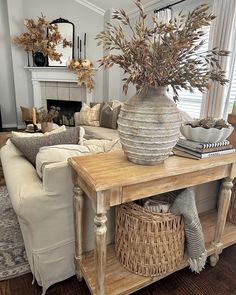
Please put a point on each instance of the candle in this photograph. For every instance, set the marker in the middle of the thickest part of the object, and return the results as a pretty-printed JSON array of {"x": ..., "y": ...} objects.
[
  {"x": 78, "y": 42},
  {"x": 34, "y": 116},
  {"x": 85, "y": 46},
  {"x": 80, "y": 46},
  {"x": 234, "y": 109}
]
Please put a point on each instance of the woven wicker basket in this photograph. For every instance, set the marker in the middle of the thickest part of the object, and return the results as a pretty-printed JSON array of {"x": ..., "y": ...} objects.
[{"x": 146, "y": 243}]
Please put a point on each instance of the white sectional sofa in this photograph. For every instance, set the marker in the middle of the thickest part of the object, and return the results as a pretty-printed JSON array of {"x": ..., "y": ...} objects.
[{"x": 44, "y": 206}]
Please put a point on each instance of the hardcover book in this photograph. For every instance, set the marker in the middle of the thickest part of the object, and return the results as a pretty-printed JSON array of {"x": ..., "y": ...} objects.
[
  {"x": 180, "y": 151},
  {"x": 201, "y": 145},
  {"x": 206, "y": 150}
]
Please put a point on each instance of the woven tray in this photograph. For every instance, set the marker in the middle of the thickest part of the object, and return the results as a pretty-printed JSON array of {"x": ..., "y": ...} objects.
[{"x": 146, "y": 243}]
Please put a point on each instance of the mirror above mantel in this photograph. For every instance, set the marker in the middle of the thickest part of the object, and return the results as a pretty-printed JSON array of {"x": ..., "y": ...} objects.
[{"x": 66, "y": 28}]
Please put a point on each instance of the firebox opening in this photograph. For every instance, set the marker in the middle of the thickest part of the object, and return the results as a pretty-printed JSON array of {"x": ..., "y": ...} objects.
[{"x": 68, "y": 108}]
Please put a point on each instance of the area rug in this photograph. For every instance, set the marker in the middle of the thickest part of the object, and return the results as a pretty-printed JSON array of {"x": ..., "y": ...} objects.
[{"x": 13, "y": 261}]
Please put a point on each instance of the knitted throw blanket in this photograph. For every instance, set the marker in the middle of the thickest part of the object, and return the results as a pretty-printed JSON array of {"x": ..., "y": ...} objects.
[{"x": 184, "y": 204}]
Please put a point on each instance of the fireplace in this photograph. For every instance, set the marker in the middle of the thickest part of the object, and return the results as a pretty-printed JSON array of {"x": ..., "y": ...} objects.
[{"x": 68, "y": 108}]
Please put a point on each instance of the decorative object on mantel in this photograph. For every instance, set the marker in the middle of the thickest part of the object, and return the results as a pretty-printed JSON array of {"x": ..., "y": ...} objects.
[
  {"x": 207, "y": 130},
  {"x": 66, "y": 29},
  {"x": 85, "y": 72},
  {"x": 79, "y": 47},
  {"x": 46, "y": 117},
  {"x": 153, "y": 59},
  {"x": 41, "y": 39}
]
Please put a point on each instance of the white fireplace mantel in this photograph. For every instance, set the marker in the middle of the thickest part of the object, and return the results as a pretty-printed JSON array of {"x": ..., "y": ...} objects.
[{"x": 52, "y": 74}]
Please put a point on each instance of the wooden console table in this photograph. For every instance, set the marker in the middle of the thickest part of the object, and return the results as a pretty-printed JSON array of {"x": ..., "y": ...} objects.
[{"x": 109, "y": 180}]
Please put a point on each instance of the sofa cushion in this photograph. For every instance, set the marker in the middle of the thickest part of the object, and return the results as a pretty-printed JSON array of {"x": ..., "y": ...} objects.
[
  {"x": 106, "y": 145},
  {"x": 29, "y": 146},
  {"x": 88, "y": 115},
  {"x": 92, "y": 132},
  {"x": 109, "y": 116},
  {"x": 58, "y": 153}
]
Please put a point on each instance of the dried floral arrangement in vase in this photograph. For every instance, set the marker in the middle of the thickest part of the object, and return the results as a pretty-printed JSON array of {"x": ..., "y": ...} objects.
[
  {"x": 42, "y": 37},
  {"x": 153, "y": 58},
  {"x": 85, "y": 72},
  {"x": 46, "y": 117},
  {"x": 166, "y": 54}
]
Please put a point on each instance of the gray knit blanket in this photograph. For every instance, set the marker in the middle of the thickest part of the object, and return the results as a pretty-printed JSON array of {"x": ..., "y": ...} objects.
[{"x": 184, "y": 204}]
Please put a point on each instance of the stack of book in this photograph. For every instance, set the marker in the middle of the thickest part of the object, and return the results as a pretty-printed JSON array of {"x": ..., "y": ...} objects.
[{"x": 198, "y": 150}]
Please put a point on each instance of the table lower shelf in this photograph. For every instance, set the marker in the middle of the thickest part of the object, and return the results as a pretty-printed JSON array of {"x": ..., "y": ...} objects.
[{"x": 121, "y": 281}]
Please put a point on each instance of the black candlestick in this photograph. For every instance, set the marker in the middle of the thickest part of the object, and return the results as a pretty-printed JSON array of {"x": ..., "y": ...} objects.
[
  {"x": 85, "y": 46},
  {"x": 80, "y": 46}
]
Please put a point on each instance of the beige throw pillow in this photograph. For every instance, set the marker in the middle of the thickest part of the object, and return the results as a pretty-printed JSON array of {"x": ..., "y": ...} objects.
[{"x": 88, "y": 115}]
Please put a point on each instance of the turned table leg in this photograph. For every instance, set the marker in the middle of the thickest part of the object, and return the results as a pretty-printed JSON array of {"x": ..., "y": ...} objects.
[
  {"x": 78, "y": 214},
  {"x": 100, "y": 230},
  {"x": 223, "y": 206}
]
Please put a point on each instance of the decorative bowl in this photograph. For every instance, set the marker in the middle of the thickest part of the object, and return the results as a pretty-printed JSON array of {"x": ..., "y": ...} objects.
[{"x": 201, "y": 134}]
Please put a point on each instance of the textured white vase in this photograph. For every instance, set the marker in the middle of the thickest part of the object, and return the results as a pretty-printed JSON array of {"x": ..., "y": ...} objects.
[{"x": 149, "y": 126}]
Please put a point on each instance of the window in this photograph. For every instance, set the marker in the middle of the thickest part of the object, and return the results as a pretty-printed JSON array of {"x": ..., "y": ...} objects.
[
  {"x": 191, "y": 102},
  {"x": 232, "y": 96}
]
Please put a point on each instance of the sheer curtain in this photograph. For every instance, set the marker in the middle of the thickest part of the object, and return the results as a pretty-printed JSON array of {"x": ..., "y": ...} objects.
[{"x": 222, "y": 35}]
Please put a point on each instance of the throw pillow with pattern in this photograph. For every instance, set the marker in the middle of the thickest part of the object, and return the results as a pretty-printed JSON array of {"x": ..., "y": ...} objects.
[{"x": 88, "y": 115}]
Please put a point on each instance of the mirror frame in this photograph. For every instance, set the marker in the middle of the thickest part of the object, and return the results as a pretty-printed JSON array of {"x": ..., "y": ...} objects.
[{"x": 61, "y": 21}]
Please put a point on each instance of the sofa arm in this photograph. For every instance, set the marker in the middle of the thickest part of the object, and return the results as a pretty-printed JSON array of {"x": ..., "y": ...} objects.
[{"x": 57, "y": 179}]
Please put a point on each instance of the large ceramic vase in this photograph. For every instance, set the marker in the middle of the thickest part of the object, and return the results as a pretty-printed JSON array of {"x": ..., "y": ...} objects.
[{"x": 149, "y": 126}]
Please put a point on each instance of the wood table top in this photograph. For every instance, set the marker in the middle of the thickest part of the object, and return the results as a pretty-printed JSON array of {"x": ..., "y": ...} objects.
[{"x": 107, "y": 170}]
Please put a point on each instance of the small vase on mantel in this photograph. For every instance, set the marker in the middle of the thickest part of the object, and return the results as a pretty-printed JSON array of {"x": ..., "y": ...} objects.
[
  {"x": 46, "y": 126},
  {"x": 39, "y": 60},
  {"x": 148, "y": 126}
]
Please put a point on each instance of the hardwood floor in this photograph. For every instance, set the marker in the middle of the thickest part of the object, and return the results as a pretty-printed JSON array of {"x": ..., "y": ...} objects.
[{"x": 219, "y": 280}]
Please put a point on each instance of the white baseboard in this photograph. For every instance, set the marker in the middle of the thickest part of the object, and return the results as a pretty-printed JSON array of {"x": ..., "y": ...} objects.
[
  {"x": 13, "y": 126},
  {"x": 9, "y": 125}
]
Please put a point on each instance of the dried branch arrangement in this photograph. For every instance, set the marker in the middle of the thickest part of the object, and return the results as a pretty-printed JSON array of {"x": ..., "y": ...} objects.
[
  {"x": 47, "y": 116},
  {"x": 41, "y": 37},
  {"x": 208, "y": 123},
  {"x": 85, "y": 72},
  {"x": 165, "y": 54}
]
